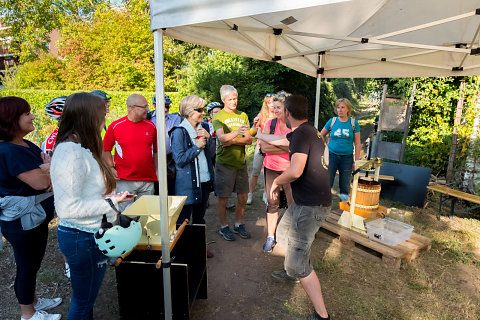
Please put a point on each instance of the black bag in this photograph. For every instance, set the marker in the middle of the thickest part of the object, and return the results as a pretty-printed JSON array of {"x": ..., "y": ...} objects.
[{"x": 282, "y": 203}]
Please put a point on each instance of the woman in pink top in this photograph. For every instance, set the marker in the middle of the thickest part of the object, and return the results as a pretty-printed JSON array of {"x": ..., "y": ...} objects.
[
  {"x": 265, "y": 114},
  {"x": 276, "y": 161}
]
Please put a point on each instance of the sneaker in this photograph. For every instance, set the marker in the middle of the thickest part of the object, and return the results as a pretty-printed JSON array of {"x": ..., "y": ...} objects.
[
  {"x": 230, "y": 205},
  {"x": 264, "y": 198},
  {"x": 240, "y": 230},
  {"x": 67, "y": 270},
  {"x": 250, "y": 198},
  {"x": 314, "y": 316},
  {"x": 47, "y": 304},
  {"x": 282, "y": 275},
  {"x": 42, "y": 315},
  {"x": 269, "y": 245},
  {"x": 226, "y": 233}
]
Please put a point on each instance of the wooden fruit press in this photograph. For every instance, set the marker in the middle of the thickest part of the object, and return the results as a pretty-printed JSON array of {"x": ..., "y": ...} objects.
[{"x": 364, "y": 205}]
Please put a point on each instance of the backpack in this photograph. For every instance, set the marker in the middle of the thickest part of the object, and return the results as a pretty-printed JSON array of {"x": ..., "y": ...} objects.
[{"x": 352, "y": 122}]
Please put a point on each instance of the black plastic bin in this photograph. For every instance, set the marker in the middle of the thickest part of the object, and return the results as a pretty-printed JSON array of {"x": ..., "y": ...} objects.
[{"x": 140, "y": 283}]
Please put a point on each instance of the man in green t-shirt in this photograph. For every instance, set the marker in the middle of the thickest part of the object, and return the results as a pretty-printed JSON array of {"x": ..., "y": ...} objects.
[{"x": 231, "y": 128}]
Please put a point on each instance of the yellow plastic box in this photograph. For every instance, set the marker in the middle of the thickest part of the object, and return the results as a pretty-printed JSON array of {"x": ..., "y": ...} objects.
[{"x": 148, "y": 208}]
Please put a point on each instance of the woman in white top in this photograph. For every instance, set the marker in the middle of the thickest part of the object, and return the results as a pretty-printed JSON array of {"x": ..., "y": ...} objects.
[{"x": 81, "y": 180}]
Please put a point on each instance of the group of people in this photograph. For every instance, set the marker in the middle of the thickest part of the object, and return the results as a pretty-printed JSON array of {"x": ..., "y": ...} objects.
[{"x": 78, "y": 171}]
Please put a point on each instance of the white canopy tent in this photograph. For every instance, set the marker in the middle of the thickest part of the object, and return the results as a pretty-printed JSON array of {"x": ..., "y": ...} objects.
[{"x": 323, "y": 38}]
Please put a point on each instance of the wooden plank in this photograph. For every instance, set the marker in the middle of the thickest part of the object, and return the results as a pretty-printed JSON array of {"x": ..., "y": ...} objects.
[
  {"x": 380, "y": 177},
  {"x": 363, "y": 240},
  {"x": 455, "y": 193},
  {"x": 391, "y": 255}
]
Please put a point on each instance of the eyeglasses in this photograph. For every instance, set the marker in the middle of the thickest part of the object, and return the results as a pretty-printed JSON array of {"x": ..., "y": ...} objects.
[
  {"x": 200, "y": 110},
  {"x": 269, "y": 94},
  {"x": 143, "y": 107}
]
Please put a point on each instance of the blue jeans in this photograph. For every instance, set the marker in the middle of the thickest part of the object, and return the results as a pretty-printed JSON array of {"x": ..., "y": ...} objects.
[
  {"x": 344, "y": 166},
  {"x": 87, "y": 269}
]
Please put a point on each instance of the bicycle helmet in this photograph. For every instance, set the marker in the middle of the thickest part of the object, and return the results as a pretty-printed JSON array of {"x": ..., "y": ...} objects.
[
  {"x": 55, "y": 107},
  {"x": 167, "y": 99},
  {"x": 213, "y": 105},
  {"x": 101, "y": 94},
  {"x": 116, "y": 240}
]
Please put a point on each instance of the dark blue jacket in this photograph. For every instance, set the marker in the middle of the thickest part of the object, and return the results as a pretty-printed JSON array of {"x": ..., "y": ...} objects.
[{"x": 184, "y": 154}]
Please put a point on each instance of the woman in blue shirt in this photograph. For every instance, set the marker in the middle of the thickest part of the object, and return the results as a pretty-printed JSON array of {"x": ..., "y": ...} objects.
[
  {"x": 344, "y": 135},
  {"x": 26, "y": 206}
]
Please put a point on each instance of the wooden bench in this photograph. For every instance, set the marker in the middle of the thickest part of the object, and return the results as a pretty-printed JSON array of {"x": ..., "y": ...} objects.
[{"x": 452, "y": 195}]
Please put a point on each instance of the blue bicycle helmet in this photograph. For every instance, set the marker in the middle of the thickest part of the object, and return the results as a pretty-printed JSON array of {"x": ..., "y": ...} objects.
[
  {"x": 167, "y": 99},
  {"x": 101, "y": 94},
  {"x": 116, "y": 240}
]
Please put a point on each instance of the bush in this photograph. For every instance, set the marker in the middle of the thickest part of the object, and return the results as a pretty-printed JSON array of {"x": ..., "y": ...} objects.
[{"x": 45, "y": 73}]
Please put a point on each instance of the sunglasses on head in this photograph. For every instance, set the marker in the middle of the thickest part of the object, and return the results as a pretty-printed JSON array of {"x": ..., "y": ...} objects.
[{"x": 269, "y": 94}]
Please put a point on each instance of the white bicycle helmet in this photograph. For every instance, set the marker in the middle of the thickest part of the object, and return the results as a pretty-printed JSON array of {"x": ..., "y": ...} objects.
[
  {"x": 213, "y": 105},
  {"x": 119, "y": 239},
  {"x": 55, "y": 107}
]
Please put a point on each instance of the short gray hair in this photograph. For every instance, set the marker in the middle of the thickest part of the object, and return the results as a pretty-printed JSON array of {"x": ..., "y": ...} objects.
[
  {"x": 227, "y": 90},
  {"x": 189, "y": 103}
]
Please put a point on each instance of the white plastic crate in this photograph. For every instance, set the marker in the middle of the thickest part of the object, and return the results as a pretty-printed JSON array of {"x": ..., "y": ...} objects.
[{"x": 389, "y": 231}]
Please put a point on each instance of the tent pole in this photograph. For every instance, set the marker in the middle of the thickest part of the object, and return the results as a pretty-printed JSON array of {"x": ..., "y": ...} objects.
[
  {"x": 317, "y": 92},
  {"x": 161, "y": 170}
]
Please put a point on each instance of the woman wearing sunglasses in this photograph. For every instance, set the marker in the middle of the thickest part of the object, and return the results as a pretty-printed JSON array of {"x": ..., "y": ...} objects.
[{"x": 193, "y": 163}]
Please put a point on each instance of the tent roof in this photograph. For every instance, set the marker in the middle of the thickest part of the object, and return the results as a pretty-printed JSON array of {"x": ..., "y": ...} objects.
[{"x": 357, "y": 38}]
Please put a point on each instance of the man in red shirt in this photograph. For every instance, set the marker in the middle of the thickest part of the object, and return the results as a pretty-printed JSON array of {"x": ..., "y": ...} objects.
[{"x": 135, "y": 141}]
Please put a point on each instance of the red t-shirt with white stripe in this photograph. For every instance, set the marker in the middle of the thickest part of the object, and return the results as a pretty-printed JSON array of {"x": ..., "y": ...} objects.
[{"x": 135, "y": 143}]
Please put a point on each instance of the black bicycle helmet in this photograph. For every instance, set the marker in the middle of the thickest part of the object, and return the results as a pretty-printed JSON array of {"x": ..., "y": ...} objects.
[
  {"x": 167, "y": 99},
  {"x": 213, "y": 105},
  {"x": 101, "y": 94},
  {"x": 55, "y": 107}
]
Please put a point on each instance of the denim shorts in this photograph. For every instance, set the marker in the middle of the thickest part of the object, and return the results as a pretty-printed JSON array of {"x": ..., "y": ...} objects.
[
  {"x": 257, "y": 161},
  {"x": 296, "y": 232}
]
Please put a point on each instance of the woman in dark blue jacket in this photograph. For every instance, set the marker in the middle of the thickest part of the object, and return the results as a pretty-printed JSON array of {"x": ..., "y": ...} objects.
[{"x": 194, "y": 169}]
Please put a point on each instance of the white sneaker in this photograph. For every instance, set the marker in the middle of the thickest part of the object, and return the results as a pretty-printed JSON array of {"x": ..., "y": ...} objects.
[
  {"x": 47, "y": 304},
  {"x": 67, "y": 270},
  {"x": 250, "y": 198},
  {"x": 42, "y": 315},
  {"x": 264, "y": 198}
]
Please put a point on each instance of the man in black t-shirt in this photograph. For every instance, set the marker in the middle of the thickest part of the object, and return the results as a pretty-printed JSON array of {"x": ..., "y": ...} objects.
[{"x": 310, "y": 181}]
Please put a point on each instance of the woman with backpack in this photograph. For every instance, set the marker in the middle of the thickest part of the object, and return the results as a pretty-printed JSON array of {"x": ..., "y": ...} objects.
[
  {"x": 344, "y": 135},
  {"x": 276, "y": 161}
]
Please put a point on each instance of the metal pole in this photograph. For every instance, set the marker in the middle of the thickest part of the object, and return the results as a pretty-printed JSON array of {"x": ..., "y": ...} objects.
[
  {"x": 162, "y": 171},
  {"x": 317, "y": 94}
]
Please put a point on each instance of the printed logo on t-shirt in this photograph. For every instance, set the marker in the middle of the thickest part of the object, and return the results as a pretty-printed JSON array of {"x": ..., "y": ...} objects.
[
  {"x": 339, "y": 132},
  {"x": 234, "y": 122}
]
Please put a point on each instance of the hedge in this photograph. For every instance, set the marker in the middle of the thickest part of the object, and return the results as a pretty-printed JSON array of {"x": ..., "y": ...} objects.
[{"x": 44, "y": 125}]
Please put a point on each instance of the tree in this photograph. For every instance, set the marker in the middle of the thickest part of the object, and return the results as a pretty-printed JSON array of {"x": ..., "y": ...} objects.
[{"x": 30, "y": 22}]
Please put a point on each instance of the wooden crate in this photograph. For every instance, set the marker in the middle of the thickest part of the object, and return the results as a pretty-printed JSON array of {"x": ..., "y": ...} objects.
[{"x": 391, "y": 256}]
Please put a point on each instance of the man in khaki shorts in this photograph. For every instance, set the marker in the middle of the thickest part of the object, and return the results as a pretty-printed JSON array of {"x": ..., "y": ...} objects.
[
  {"x": 231, "y": 128},
  {"x": 310, "y": 181}
]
